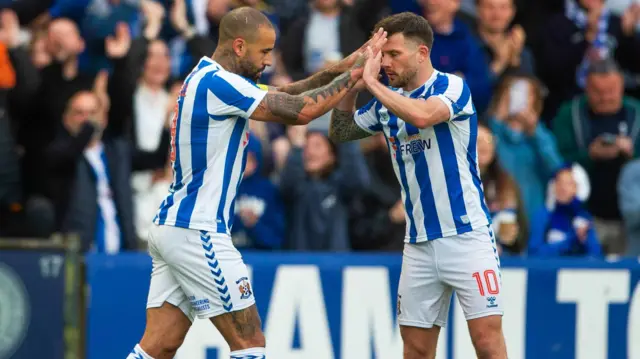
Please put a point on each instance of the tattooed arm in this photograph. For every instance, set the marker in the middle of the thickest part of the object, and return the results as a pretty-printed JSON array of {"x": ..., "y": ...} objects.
[
  {"x": 303, "y": 108},
  {"x": 343, "y": 127},
  {"x": 316, "y": 80}
]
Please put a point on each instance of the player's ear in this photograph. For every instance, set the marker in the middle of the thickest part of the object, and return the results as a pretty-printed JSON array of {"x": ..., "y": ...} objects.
[
  {"x": 239, "y": 46},
  {"x": 423, "y": 53}
]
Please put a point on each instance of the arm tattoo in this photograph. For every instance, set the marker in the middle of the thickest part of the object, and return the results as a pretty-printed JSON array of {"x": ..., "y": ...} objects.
[
  {"x": 343, "y": 128},
  {"x": 319, "y": 79},
  {"x": 289, "y": 108}
]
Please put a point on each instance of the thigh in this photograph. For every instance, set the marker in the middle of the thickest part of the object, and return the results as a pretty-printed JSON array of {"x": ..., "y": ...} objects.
[
  {"x": 423, "y": 300},
  {"x": 469, "y": 263},
  {"x": 241, "y": 329},
  {"x": 210, "y": 271},
  {"x": 164, "y": 287}
]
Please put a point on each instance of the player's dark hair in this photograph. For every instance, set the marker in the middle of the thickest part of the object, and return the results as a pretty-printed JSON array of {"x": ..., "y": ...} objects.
[
  {"x": 242, "y": 22},
  {"x": 410, "y": 25}
]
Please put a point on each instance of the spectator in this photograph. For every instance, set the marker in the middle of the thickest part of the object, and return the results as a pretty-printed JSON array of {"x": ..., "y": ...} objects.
[
  {"x": 58, "y": 82},
  {"x": 377, "y": 212},
  {"x": 503, "y": 44},
  {"x": 502, "y": 197},
  {"x": 629, "y": 199},
  {"x": 330, "y": 30},
  {"x": 525, "y": 148},
  {"x": 259, "y": 212},
  {"x": 19, "y": 215},
  {"x": 456, "y": 50},
  {"x": 566, "y": 228},
  {"x": 584, "y": 33},
  {"x": 600, "y": 132},
  {"x": 89, "y": 176},
  {"x": 317, "y": 183}
]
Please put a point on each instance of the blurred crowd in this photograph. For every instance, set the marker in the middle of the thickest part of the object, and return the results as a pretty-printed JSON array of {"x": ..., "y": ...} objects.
[{"x": 87, "y": 88}]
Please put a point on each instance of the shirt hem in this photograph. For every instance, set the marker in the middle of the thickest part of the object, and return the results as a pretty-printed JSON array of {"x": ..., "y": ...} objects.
[
  {"x": 456, "y": 231},
  {"x": 194, "y": 226}
]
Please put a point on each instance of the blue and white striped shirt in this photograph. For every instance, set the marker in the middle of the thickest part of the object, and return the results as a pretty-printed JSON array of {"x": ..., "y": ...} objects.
[
  {"x": 209, "y": 135},
  {"x": 436, "y": 166}
]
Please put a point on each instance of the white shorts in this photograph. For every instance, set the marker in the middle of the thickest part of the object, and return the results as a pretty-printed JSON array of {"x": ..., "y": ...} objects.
[
  {"x": 467, "y": 263},
  {"x": 201, "y": 273}
]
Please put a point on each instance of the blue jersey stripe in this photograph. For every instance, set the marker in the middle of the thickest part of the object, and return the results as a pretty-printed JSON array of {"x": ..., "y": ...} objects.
[
  {"x": 452, "y": 176},
  {"x": 232, "y": 152},
  {"x": 462, "y": 101},
  {"x": 232, "y": 208},
  {"x": 229, "y": 95},
  {"x": 462, "y": 118},
  {"x": 431, "y": 220},
  {"x": 366, "y": 107},
  {"x": 471, "y": 158},
  {"x": 440, "y": 85},
  {"x": 177, "y": 169},
  {"x": 393, "y": 129},
  {"x": 199, "y": 134}
]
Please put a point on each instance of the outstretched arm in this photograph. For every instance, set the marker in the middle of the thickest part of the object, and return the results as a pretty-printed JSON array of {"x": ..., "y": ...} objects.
[
  {"x": 342, "y": 127},
  {"x": 303, "y": 108}
]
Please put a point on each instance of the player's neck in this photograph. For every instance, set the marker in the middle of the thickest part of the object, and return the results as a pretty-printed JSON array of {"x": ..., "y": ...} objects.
[
  {"x": 227, "y": 59},
  {"x": 422, "y": 76}
]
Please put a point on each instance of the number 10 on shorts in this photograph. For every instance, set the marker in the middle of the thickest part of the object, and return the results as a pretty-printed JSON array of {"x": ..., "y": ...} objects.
[{"x": 490, "y": 282}]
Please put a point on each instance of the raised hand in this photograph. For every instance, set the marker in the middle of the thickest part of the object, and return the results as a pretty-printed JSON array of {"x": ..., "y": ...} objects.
[
  {"x": 9, "y": 28},
  {"x": 371, "y": 66},
  {"x": 100, "y": 85},
  {"x": 117, "y": 47},
  {"x": 178, "y": 16},
  {"x": 359, "y": 56},
  {"x": 154, "y": 14}
]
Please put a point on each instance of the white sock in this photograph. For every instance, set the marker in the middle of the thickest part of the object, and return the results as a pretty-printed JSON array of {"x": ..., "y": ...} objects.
[
  {"x": 138, "y": 353},
  {"x": 251, "y": 353}
]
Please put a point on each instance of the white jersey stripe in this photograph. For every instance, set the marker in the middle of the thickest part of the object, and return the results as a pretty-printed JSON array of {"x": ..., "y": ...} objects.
[
  {"x": 437, "y": 166},
  {"x": 209, "y": 143}
]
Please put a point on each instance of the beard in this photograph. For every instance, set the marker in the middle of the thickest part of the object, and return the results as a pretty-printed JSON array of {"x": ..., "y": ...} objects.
[
  {"x": 403, "y": 80},
  {"x": 249, "y": 70}
]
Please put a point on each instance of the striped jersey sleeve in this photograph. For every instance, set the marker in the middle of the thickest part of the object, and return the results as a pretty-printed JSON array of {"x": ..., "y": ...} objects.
[
  {"x": 231, "y": 95},
  {"x": 455, "y": 93},
  {"x": 367, "y": 118}
]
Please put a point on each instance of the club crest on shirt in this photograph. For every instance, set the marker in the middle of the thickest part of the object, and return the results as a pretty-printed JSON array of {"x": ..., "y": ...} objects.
[{"x": 244, "y": 287}]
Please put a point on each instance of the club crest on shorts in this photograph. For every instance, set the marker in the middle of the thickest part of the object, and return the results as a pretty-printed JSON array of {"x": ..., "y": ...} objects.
[{"x": 244, "y": 287}]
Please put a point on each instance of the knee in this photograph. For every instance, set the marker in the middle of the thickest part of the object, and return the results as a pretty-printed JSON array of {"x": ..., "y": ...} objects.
[
  {"x": 413, "y": 349},
  {"x": 489, "y": 343},
  {"x": 418, "y": 347},
  {"x": 161, "y": 345}
]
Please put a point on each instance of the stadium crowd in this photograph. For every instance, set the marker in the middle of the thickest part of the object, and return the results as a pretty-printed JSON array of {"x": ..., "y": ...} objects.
[{"x": 88, "y": 89}]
